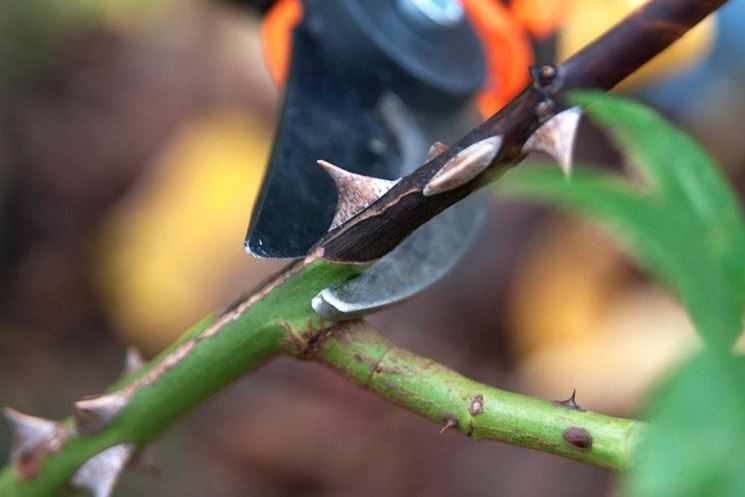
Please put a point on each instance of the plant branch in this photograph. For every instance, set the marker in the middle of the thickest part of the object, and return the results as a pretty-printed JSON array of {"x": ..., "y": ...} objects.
[
  {"x": 278, "y": 317},
  {"x": 358, "y": 352},
  {"x": 602, "y": 65},
  {"x": 210, "y": 356}
]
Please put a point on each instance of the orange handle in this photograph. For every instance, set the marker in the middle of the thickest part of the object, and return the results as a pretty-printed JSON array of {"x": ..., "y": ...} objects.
[
  {"x": 276, "y": 36},
  {"x": 504, "y": 39}
]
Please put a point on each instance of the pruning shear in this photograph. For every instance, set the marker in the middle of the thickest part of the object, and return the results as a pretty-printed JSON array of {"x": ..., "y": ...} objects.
[{"x": 369, "y": 85}]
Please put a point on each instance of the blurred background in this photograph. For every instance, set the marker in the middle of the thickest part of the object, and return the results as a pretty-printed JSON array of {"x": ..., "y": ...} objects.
[{"x": 133, "y": 140}]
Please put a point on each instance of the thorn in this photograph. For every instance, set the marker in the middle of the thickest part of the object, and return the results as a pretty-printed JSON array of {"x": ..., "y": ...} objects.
[
  {"x": 477, "y": 405},
  {"x": 547, "y": 79},
  {"x": 30, "y": 432},
  {"x": 578, "y": 437},
  {"x": 556, "y": 137},
  {"x": 450, "y": 422},
  {"x": 436, "y": 149},
  {"x": 93, "y": 414},
  {"x": 570, "y": 403},
  {"x": 133, "y": 361},
  {"x": 544, "y": 75},
  {"x": 356, "y": 192},
  {"x": 100, "y": 473},
  {"x": 548, "y": 73},
  {"x": 465, "y": 166},
  {"x": 33, "y": 438}
]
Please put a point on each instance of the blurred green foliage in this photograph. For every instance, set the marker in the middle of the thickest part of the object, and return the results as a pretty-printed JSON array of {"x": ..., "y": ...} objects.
[
  {"x": 694, "y": 447},
  {"x": 683, "y": 223}
]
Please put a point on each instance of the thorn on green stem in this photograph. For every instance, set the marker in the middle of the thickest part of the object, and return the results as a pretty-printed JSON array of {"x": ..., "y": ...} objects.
[
  {"x": 100, "y": 473},
  {"x": 93, "y": 414},
  {"x": 570, "y": 403}
]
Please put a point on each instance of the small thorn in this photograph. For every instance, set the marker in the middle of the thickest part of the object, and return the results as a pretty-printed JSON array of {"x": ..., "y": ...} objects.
[
  {"x": 477, "y": 405},
  {"x": 91, "y": 415},
  {"x": 451, "y": 421},
  {"x": 556, "y": 137},
  {"x": 436, "y": 149},
  {"x": 465, "y": 166},
  {"x": 546, "y": 78},
  {"x": 356, "y": 192},
  {"x": 100, "y": 473},
  {"x": 544, "y": 75},
  {"x": 30, "y": 432},
  {"x": 133, "y": 361},
  {"x": 570, "y": 403}
]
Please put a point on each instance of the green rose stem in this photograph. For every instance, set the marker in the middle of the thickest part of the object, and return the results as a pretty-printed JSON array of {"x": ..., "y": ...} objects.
[
  {"x": 418, "y": 384},
  {"x": 205, "y": 360}
]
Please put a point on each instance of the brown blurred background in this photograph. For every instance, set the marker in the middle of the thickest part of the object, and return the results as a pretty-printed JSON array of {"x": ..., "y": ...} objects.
[{"x": 133, "y": 137}]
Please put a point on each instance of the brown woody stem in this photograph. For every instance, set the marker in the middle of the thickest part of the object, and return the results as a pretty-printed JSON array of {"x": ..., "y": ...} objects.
[{"x": 602, "y": 65}]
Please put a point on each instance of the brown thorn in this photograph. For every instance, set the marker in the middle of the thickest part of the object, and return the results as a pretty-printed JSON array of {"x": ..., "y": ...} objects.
[
  {"x": 450, "y": 420},
  {"x": 100, "y": 473},
  {"x": 570, "y": 403},
  {"x": 93, "y": 414},
  {"x": 578, "y": 437},
  {"x": 355, "y": 192},
  {"x": 27, "y": 465},
  {"x": 544, "y": 76},
  {"x": 466, "y": 165},
  {"x": 477, "y": 405},
  {"x": 555, "y": 138},
  {"x": 436, "y": 149},
  {"x": 32, "y": 438},
  {"x": 548, "y": 72}
]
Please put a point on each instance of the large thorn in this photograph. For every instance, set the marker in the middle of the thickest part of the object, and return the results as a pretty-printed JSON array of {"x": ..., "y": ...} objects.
[
  {"x": 356, "y": 192},
  {"x": 465, "y": 166},
  {"x": 30, "y": 433},
  {"x": 100, "y": 473},
  {"x": 133, "y": 361},
  {"x": 556, "y": 137},
  {"x": 91, "y": 415}
]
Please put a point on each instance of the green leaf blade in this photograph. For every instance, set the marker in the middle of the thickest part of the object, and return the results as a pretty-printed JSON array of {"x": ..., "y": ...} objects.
[
  {"x": 686, "y": 227},
  {"x": 680, "y": 172},
  {"x": 694, "y": 446}
]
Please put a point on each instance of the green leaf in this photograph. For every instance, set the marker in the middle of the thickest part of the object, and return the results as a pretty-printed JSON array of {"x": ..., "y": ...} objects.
[
  {"x": 694, "y": 446},
  {"x": 680, "y": 172},
  {"x": 684, "y": 225}
]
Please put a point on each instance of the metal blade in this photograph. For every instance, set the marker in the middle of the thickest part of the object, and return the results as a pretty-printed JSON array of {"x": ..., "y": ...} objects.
[
  {"x": 321, "y": 119},
  {"x": 428, "y": 253},
  {"x": 423, "y": 258},
  {"x": 372, "y": 125}
]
